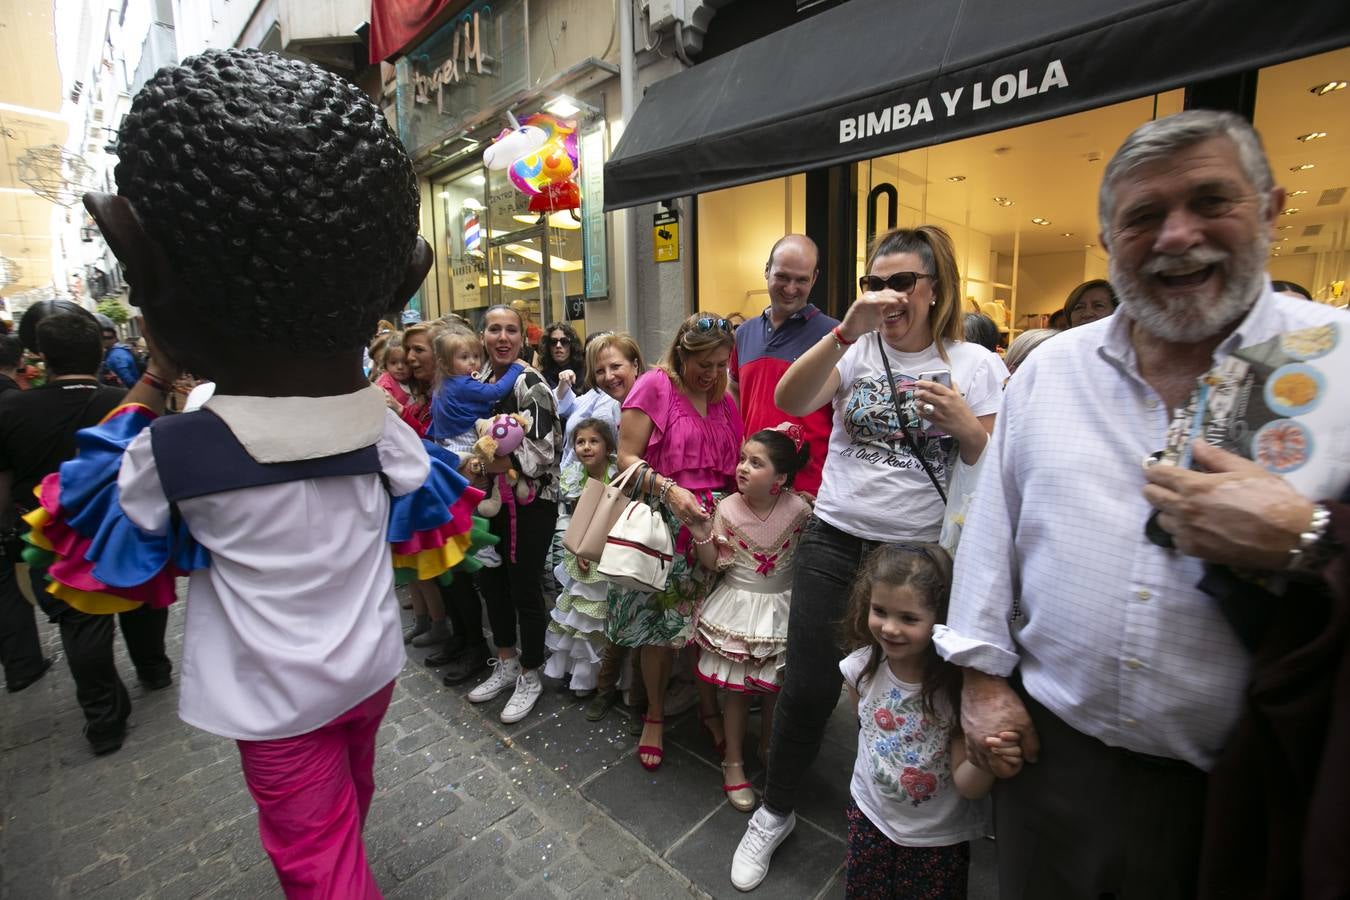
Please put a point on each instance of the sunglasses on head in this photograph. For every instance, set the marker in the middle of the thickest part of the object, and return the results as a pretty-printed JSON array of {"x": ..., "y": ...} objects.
[
  {"x": 708, "y": 323},
  {"x": 900, "y": 282}
]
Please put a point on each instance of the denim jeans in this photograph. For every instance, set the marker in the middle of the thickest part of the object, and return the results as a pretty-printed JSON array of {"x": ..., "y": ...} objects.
[{"x": 827, "y": 563}]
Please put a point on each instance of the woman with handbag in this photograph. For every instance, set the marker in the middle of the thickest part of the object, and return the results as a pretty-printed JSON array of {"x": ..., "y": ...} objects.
[
  {"x": 513, "y": 592},
  {"x": 679, "y": 419},
  {"x": 910, "y": 397}
]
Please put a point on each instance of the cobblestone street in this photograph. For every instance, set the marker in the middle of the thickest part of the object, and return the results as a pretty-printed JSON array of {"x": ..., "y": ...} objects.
[{"x": 553, "y": 806}]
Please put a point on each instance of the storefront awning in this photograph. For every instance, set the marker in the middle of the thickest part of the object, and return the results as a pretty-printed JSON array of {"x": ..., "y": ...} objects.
[{"x": 872, "y": 77}]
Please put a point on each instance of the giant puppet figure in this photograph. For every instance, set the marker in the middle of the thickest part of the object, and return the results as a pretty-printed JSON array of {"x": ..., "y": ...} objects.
[{"x": 265, "y": 212}]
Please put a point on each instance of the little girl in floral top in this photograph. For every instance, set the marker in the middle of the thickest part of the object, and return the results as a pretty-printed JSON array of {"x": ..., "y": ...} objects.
[
  {"x": 912, "y": 815},
  {"x": 576, "y": 636},
  {"x": 742, "y": 627}
]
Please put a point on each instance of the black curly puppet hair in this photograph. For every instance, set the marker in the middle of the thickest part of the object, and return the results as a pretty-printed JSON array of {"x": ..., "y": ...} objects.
[{"x": 286, "y": 206}]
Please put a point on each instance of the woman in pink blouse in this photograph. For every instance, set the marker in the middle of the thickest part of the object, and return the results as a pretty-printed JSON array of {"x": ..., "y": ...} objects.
[{"x": 680, "y": 419}]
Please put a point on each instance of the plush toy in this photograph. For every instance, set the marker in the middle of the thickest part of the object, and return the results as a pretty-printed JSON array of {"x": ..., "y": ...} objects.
[{"x": 498, "y": 437}]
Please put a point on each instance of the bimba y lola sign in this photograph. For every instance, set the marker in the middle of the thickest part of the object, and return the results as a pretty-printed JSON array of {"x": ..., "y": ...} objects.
[{"x": 981, "y": 95}]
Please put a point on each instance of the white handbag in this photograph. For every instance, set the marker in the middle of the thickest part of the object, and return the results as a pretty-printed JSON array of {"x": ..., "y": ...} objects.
[{"x": 639, "y": 550}]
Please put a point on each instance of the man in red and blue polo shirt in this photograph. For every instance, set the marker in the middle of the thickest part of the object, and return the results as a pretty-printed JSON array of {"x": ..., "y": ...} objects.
[{"x": 767, "y": 345}]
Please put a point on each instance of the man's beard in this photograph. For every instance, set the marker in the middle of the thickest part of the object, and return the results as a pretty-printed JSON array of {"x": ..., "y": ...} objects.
[{"x": 1184, "y": 319}]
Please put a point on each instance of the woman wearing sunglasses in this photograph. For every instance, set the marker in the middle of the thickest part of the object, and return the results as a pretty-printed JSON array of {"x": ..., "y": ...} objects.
[
  {"x": 560, "y": 352},
  {"x": 884, "y": 478},
  {"x": 679, "y": 419}
]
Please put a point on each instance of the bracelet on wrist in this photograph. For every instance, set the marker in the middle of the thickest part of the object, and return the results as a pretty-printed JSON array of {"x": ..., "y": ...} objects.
[
  {"x": 840, "y": 342},
  {"x": 665, "y": 489},
  {"x": 1314, "y": 545},
  {"x": 705, "y": 542},
  {"x": 156, "y": 382}
]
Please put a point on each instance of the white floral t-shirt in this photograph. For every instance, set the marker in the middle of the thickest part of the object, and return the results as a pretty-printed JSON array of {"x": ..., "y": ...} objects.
[{"x": 902, "y": 779}]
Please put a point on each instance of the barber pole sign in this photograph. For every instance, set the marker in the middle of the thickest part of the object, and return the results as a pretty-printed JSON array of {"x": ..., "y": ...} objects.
[{"x": 473, "y": 234}]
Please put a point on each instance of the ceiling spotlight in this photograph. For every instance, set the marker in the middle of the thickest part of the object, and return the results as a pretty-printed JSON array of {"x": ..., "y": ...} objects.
[
  {"x": 562, "y": 106},
  {"x": 1301, "y": 167},
  {"x": 1311, "y": 136},
  {"x": 1290, "y": 211},
  {"x": 1066, "y": 234},
  {"x": 956, "y": 178},
  {"x": 1003, "y": 201},
  {"x": 1321, "y": 89},
  {"x": 1037, "y": 220},
  {"x": 1284, "y": 227},
  {"x": 1298, "y": 193},
  {"x": 1089, "y": 246},
  {"x": 444, "y": 194}
]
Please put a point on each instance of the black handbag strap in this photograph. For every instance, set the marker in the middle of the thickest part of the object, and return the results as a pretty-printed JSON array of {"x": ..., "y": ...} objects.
[{"x": 900, "y": 419}]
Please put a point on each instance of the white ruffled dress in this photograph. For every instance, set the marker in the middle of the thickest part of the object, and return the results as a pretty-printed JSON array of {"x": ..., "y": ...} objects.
[
  {"x": 742, "y": 627},
  {"x": 576, "y": 635}
]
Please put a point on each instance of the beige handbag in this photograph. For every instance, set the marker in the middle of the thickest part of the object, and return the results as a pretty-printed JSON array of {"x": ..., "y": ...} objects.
[{"x": 598, "y": 508}]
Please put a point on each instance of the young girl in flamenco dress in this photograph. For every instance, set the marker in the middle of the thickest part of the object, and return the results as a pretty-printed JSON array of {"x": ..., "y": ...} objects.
[
  {"x": 742, "y": 626},
  {"x": 576, "y": 634}
]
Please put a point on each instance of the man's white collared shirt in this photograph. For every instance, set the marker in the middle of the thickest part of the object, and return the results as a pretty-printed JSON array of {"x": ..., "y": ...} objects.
[{"x": 1113, "y": 636}]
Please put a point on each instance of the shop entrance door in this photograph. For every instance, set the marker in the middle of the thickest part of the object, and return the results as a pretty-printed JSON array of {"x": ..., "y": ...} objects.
[{"x": 520, "y": 270}]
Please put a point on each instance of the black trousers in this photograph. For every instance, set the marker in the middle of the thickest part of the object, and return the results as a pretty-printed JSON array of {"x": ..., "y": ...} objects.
[
  {"x": 827, "y": 563},
  {"x": 20, "y": 647},
  {"x": 513, "y": 592},
  {"x": 88, "y": 642},
  {"x": 1097, "y": 822}
]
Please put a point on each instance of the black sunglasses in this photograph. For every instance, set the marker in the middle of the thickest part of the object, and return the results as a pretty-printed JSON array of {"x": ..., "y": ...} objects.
[
  {"x": 900, "y": 282},
  {"x": 561, "y": 342},
  {"x": 708, "y": 323}
]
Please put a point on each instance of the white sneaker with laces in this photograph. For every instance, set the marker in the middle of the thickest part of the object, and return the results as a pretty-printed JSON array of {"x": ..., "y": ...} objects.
[
  {"x": 489, "y": 557},
  {"x": 763, "y": 834},
  {"x": 504, "y": 674},
  {"x": 528, "y": 688}
]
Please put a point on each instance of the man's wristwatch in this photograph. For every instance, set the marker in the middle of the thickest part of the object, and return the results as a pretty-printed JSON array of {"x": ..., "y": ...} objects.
[{"x": 1315, "y": 545}]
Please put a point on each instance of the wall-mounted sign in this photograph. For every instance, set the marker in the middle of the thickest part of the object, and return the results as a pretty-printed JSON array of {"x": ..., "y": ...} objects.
[
  {"x": 594, "y": 247},
  {"x": 466, "y": 49},
  {"x": 576, "y": 308},
  {"x": 665, "y": 237}
]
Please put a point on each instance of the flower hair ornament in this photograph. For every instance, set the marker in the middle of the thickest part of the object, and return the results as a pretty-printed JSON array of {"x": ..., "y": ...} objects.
[{"x": 791, "y": 431}]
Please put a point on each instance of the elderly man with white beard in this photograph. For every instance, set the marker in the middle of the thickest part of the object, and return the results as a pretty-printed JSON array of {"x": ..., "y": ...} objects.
[{"x": 1124, "y": 678}]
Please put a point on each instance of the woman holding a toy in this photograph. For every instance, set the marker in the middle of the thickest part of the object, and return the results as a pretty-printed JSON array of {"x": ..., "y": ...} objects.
[{"x": 524, "y": 524}]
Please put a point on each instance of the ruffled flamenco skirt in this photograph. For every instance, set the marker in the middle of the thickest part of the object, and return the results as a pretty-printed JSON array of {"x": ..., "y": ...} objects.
[
  {"x": 742, "y": 635},
  {"x": 576, "y": 634}
]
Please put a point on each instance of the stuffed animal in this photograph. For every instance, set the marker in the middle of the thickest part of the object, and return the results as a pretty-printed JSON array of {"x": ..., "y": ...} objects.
[{"x": 498, "y": 437}]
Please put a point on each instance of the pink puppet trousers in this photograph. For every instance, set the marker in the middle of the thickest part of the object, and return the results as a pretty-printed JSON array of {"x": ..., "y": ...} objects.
[{"x": 313, "y": 792}]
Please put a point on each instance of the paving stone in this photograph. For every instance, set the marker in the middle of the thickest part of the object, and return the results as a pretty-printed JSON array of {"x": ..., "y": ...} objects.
[
  {"x": 95, "y": 879},
  {"x": 655, "y": 882},
  {"x": 428, "y": 845},
  {"x": 616, "y": 852},
  {"x": 658, "y": 807}
]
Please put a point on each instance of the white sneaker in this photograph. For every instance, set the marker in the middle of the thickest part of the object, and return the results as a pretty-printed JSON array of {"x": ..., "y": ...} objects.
[
  {"x": 504, "y": 674},
  {"x": 489, "y": 557},
  {"x": 528, "y": 688},
  {"x": 762, "y": 836}
]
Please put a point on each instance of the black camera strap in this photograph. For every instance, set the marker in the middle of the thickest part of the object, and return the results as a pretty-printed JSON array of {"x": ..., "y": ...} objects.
[{"x": 900, "y": 420}]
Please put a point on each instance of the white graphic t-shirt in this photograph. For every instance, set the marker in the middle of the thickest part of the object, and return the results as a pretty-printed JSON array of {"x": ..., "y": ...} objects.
[
  {"x": 902, "y": 779},
  {"x": 872, "y": 486}
]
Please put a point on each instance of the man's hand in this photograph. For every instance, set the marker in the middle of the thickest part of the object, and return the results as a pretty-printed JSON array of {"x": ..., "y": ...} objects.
[
  {"x": 1236, "y": 514},
  {"x": 990, "y": 709}
]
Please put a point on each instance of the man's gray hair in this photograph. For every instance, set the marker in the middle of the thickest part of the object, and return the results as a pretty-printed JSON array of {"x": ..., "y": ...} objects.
[{"x": 1162, "y": 137}]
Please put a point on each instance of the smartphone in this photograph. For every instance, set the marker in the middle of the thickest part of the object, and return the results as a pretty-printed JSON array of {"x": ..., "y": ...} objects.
[{"x": 943, "y": 378}]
